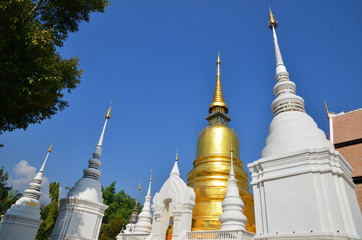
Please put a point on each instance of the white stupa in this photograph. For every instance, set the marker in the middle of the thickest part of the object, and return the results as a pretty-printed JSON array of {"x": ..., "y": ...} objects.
[
  {"x": 22, "y": 220},
  {"x": 302, "y": 187},
  {"x": 232, "y": 217},
  {"x": 144, "y": 223},
  {"x": 81, "y": 212}
]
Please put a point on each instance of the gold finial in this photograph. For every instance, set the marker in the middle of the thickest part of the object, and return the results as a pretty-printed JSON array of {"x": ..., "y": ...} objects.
[
  {"x": 176, "y": 158},
  {"x": 272, "y": 22},
  {"x": 326, "y": 108},
  {"x": 108, "y": 114},
  {"x": 151, "y": 176},
  {"x": 50, "y": 148},
  {"x": 139, "y": 187},
  {"x": 218, "y": 101}
]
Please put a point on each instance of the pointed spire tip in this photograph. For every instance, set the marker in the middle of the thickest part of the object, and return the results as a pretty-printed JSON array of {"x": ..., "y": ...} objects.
[
  {"x": 218, "y": 102},
  {"x": 326, "y": 108},
  {"x": 108, "y": 114},
  {"x": 176, "y": 158},
  {"x": 50, "y": 148},
  {"x": 272, "y": 22}
]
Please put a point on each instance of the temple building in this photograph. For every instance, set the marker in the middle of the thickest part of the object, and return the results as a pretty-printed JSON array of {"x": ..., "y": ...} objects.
[
  {"x": 345, "y": 130},
  {"x": 209, "y": 177},
  {"x": 22, "y": 220}
]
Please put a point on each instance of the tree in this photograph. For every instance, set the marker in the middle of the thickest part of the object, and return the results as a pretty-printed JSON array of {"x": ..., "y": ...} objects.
[
  {"x": 7, "y": 196},
  {"x": 33, "y": 75},
  {"x": 49, "y": 213},
  {"x": 120, "y": 206}
]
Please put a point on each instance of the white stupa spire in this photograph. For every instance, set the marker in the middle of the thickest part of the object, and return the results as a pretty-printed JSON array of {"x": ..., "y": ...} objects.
[
  {"x": 33, "y": 192},
  {"x": 175, "y": 169},
  {"x": 149, "y": 185},
  {"x": 144, "y": 223},
  {"x": 291, "y": 128},
  {"x": 232, "y": 217},
  {"x": 94, "y": 163},
  {"x": 284, "y": 90},
  {"x": 273, "y": 24}
]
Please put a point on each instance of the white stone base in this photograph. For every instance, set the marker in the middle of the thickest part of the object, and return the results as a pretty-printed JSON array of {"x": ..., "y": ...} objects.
[
  {"x": 21, "y": 221},
  {"x": 308, "y": 191},
  {"x": 14, "y": 227},
  {"x": 78, "y": 219}
]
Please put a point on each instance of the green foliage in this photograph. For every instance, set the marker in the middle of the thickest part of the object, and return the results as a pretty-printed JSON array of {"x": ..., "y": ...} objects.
[
  {"x": 120, "y": 206},
  {"x": 33, "y": 76},
  {"x": 49, "y": 213},
  {"x": 110, "y": 230},
  {"x": 7, "y": 196}
]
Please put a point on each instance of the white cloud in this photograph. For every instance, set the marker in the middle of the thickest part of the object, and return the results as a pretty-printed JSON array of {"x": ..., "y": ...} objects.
[{"x": 23, "y": 174}]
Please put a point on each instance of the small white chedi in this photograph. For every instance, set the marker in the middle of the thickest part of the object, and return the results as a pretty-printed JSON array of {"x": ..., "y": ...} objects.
[
  {"x": 232, "y": 217},
  {"x": 22, "y": 220},
  {"x": 144, "y": 224}
]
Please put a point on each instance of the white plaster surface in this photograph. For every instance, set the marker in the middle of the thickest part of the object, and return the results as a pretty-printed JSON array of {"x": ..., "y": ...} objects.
[
  {"x": 175, "y": 199},
  {"x": 308, "y": 192}
]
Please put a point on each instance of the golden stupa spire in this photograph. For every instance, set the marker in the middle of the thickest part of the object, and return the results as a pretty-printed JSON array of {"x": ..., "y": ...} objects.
[
  {"x": 272, "y": 22},
  {"x": 218, "y": 104},
  {"x": 50, "y": 148}
]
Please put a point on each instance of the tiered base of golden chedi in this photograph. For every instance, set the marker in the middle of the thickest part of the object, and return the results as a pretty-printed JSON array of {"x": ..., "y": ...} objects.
[{"x": 209, "y": 178}]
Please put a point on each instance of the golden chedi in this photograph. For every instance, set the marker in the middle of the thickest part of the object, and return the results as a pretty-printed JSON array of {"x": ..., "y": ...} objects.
[{"x": 209, "y": 177}]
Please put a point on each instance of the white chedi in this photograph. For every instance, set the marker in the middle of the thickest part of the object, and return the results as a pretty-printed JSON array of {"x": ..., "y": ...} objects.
[
  {"x": 22, "y": 220},
  {"x": 144, "y": 223},
  {"x": 302, "y": 187},
  {"x": 81, "y": 212},
  {"x": 232, "y": 217}
]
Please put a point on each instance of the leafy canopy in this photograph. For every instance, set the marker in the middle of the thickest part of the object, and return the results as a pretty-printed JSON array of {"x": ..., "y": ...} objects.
[
  {"x": 120, "y": 206},
  {"x": 33, "y": 75},
  {"x": 7, "y": 196},
  {"x": 49, "y": 213}
]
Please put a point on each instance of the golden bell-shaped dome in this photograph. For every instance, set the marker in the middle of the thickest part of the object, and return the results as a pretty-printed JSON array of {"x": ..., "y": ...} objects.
[
  {"x": 217, "y": 139},
  {"x": 209, "y": 177}
]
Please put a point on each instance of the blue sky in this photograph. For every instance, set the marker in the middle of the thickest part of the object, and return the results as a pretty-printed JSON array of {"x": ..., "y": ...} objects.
[{"x": 156, "y": 61}]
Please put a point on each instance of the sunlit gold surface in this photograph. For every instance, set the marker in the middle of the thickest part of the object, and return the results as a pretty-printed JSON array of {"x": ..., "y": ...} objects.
[
  {"x": 50, "y": 148},
  {"x": 209, "y": 177},
  {"x": 272, "y": 22},
  {"x": 218, "y": 100},
  {"x": 108, "y": 114}
]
